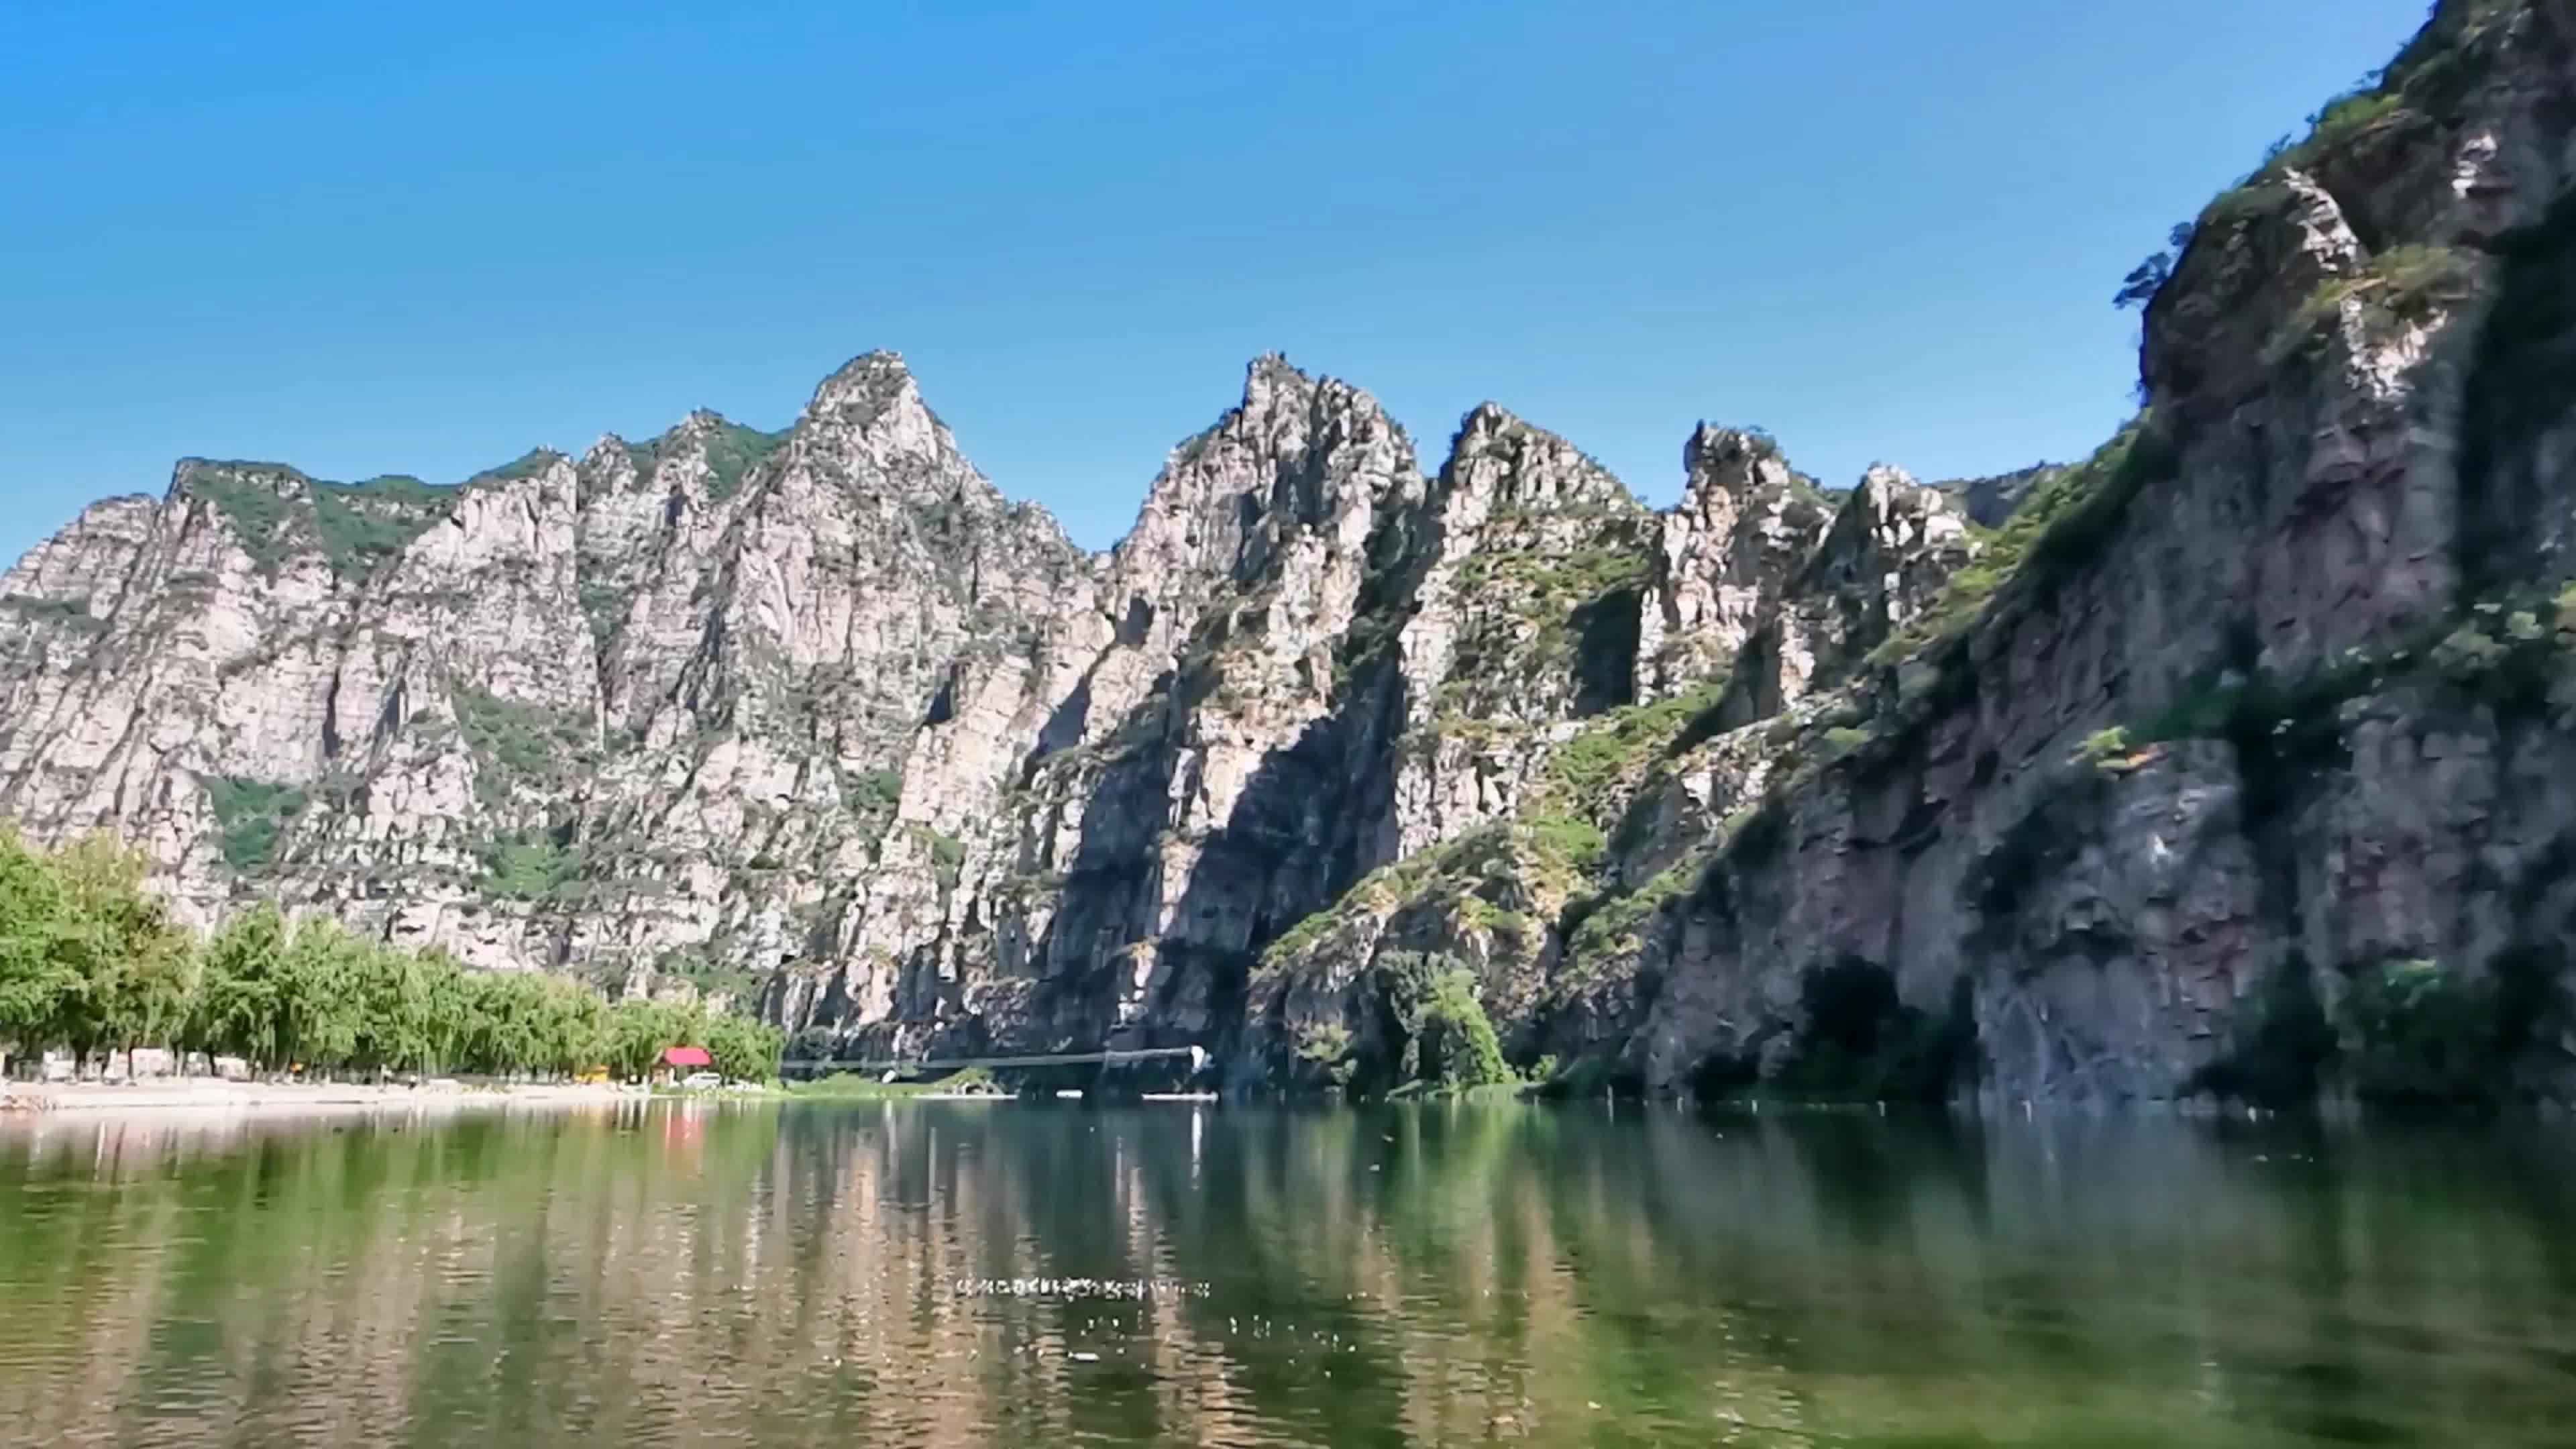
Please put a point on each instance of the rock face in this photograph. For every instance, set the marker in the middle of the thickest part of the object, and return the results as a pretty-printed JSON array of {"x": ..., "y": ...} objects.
[{"x": 2112, "y": 781}]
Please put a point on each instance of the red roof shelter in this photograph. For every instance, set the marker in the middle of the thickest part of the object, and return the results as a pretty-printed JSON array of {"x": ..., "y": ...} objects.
[{"x": 687, "y": 1057}]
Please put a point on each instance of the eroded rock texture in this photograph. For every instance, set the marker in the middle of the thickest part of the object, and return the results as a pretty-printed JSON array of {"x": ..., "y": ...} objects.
[{"x": 2094, "y": 767}]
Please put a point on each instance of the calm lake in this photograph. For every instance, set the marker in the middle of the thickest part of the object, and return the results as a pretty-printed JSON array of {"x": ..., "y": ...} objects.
[{"x": 851, "y": 1275}]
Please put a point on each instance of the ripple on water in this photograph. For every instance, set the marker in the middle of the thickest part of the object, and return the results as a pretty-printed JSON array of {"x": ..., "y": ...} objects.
[{"x": 789, "y": 1278}]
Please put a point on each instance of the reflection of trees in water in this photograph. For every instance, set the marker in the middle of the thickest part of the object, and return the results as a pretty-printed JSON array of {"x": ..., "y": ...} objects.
[{"x": 1428, "y": 1274}]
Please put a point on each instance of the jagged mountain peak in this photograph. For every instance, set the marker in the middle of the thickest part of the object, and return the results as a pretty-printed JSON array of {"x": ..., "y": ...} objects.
[
  {"x": 192, "y": 474},
  {"x": 1724, "y": 469},
  {"x": 1710, "y": 443},
  {"x": 808, "y": 718},
  {"x": 1279, "y": 395},
  {"x": 1273, "y": 366},
  {"x": 1889, "y": 516},
  {"x": 1526, "y": 466},
  {"x": 1990, "y": 500},
  {"x": 1885, "y": 480},
  {"x": 870, "y": 386}
]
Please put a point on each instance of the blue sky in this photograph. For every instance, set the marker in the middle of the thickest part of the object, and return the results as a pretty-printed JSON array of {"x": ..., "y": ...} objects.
[{"x": 424, "y": 237}]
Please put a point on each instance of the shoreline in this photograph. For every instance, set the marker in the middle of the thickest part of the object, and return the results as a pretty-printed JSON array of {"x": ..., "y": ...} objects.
[{"x": 214, "y": 1094}]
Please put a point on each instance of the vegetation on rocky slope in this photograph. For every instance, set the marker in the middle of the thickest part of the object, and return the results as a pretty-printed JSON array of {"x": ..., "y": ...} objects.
[
  {"x": 251, "y": 813},
  {"x": 275, "y": 511},
  {"x": 2059, "y": 527},
  {"x": 1647, "y": 750}
]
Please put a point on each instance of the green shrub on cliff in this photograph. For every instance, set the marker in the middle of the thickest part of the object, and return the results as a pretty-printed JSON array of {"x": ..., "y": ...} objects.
[
  {"x": 260, "y": 517},
  {"x": 2401, "y": 285},
  {"x": 2058, "y": 530},
  {"x": 525, "y": 868},
  {"x": 1327, "y": 1048},
  {"x": 733, "y": 451},
  {"x": 1447, "y": 1043},
  {"x": 2414, "y": 1031},
  {"x": 363, "y": 524},
  {"x": 251, "y": 814}
]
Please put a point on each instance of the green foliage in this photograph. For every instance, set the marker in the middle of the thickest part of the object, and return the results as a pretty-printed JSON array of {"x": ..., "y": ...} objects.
[
  {"x": 527, "y": 465},
  {"x": 710, "y": 974},
  {"x": 2104, "y": 745},
  {"x": 1589, "y": 574},
  {"x": 2331, "y": 128},
  {"x": 2505, "y": 653},
  {"x": 2149, "y": 277},
  {"x": 603, "y": 604},
  {"x": 1301, "y": 937},
  {"x": 1327, "y": 1047},
  {"x": 2417, "y": 1033},
  {"x": 522, "y": 868},
  {"x": 733, "y": 451},
  {"x": 260, "y": 517},
  {"x": 2402, "y": 284},
  {"x": 1612, "y": 749},
  {"x": 2428, "y": 79},
  {"x": 251, "y": 814},
  {"x": 1585, "y": 781},
  {"x": 2057, "y": 530},
  {"x": 397, "y": 488},
  {"x": 70, "y": 614},
  {"x": 363, "y": 524},
  {"x": 2350, "y": 114},
  {"x": 2508, "y": 653},
  {"x": 875, "y": 793},
  {"x": 90, "y": 961},
  {"x": 1585, "y": 767},
  {"x": 1569, "y": 838},
  {"x": 744, "y": 1050},
  {"x": 2428, "y": 68},
  {"x": 1447, "y": 1041},
  {"x": 2256, "y": 196},
  {"x": 947, "y": 853},
  {"x": 1617, "y": 927},
  {"x": 1457, "y": 1041},
  {"x": 2402, "y": 1033},
  {"x": 357, "y": 525},
  {"x": 514, "y": 742},
  {"x": 1534, "y": 606}
]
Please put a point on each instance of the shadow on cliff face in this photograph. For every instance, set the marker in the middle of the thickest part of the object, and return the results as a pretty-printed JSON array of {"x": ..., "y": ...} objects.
[
  {"x": 1606, "y": 631},
  {"x": 1313, "y": 819},
  {"x": 2515, "y": 397}
]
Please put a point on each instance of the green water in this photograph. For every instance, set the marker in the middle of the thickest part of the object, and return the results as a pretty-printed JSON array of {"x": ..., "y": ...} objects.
[{"x": 663, "y": 1275}]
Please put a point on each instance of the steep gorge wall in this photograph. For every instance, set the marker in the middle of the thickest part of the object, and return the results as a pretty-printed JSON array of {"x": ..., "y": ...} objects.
[{"x": 2317, "y": 593}]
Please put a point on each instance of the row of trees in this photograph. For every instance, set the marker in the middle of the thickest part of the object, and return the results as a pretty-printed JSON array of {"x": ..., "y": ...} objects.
[{"x": 91, "y": 962}]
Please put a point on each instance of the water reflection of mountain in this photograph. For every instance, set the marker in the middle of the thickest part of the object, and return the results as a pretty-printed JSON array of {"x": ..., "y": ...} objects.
[{"x": 668, "y": 1275}]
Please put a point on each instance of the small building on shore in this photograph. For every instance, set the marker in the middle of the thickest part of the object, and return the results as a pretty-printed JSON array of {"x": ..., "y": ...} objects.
[{"x": 679, "y": 1061}]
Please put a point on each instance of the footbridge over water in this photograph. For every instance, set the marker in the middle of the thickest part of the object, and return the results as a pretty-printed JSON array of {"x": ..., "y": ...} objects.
[{"x": 808, "y": 1066}]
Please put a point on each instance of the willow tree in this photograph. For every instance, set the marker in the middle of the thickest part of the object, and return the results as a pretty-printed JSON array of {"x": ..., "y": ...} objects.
[{"x": 33, "y": 977}]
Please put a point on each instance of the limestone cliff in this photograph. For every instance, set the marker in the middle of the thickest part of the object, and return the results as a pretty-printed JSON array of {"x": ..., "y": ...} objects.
[{"x": 2127, "y": 779}]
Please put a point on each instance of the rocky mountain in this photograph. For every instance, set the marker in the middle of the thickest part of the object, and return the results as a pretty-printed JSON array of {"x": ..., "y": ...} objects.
[
  {"x": 1988, "y": 502},
  {"x": 2234, "y": 759}
]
